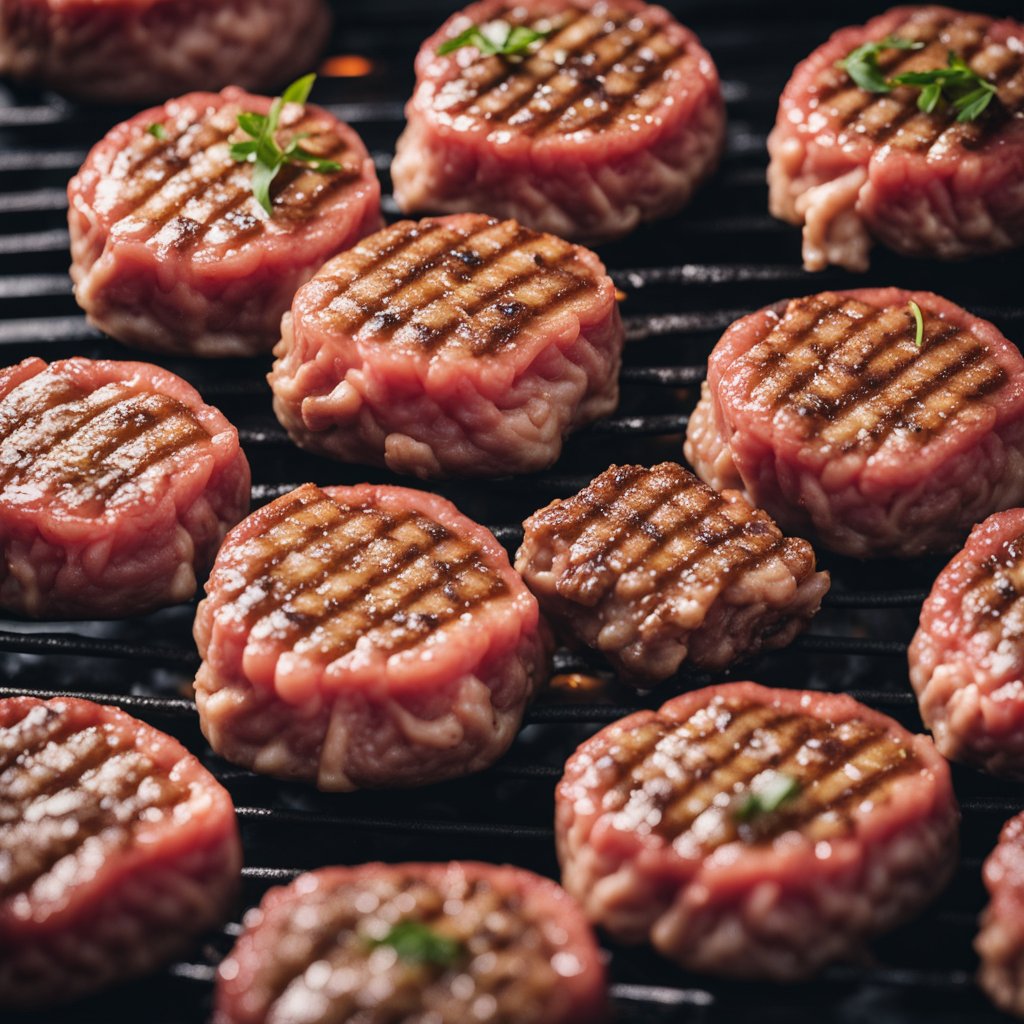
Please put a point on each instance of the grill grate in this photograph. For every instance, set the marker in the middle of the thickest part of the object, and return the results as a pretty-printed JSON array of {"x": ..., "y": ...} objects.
[{"x": 685, "y": 281}]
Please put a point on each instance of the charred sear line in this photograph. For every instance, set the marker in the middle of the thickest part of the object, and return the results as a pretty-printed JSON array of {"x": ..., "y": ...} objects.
[
  {"x": 989, "y": 590},
  {"x": 894, "y": 117},
  {"x": 536, "y": 95},
  {"x": 374, "y": 602}
]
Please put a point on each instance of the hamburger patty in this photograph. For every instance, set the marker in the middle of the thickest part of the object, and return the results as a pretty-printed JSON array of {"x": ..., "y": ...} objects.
[
  {"x": 365, "y": 636},
  {"x": 612, "y": 118},
  {"x": 1000, "y": 940},
  {"x": 117, "y": 849},
  {"x": 117, "y": 484},
  {"x": 755, "y": 832},
  {"x": 439, "y": 942},
  {"x": 172, "y": 252},
  {"x": 457, "y": 346},
  {"x": 854, "y": 166},
  {"x": 653, "y": 567},
  {"x": 967, "y": 657},
  {"x": 830, "y": 416},
  {"x": 142, "y": 51}
]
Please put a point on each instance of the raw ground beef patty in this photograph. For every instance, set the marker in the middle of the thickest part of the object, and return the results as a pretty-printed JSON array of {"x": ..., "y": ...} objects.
[
  {"x": 462, "y": 346},
  {"x": 755, "y": 832},
  {"x": 117, "y": 849},
  {"x": 853, "y": 166},
  {"x": 142, "y": 51},
  {"x": 967, "y": 657},
  {"x": 830, "y": 416},
  {"x": 653, "y": 567},
  {"x": 444, "y": 943},
  {"x": 1000, "y": 940},
  {"x": 117, "y": 485},
  {"x": 612, "y": 119},
  {"x": 170, "y": 249},
  {"x": 365, "y": 636}
]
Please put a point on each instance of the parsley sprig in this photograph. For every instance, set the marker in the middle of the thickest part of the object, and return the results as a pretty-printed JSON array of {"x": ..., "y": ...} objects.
[
  {"x": 518, "y": 39},
  {"x": 157, "y": 130},
  {"x": 416, "y": 943},
  {"x": 262, "y": 150},
  {"x": 957, "y": 83},
  {"x": 918, "y": 321},
  {"x": 767, "y": 798}
]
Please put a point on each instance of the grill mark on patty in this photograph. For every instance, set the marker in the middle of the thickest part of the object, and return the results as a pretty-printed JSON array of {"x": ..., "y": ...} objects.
[
  {"x": 919, "y": 392},
  {"x": 904, "y": 125},
  {"x": 205, "y": 164},
  {"x": 57, "y": 757},
  {"x": 583, "y": 62},
  {"x": 862, "y": 759},
  {"x": 66, "y": 456},
  {"x": 340, "y": 931},
  {"x": 339, "y": 619},
  {"x": 609, "y": 531},
  {"x": 992, "y": 598},
  {"x": 492, "y": 264}
]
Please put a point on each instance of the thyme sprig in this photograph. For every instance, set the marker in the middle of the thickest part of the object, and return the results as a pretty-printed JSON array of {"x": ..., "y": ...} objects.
[
  {"x": 957, "y": 84},
  {"x": 263, "y": 152},
  {"x": 518, "y": 39}
]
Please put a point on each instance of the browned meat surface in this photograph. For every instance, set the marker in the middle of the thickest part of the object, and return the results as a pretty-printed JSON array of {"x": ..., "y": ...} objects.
[{"x": 653, "y": 568}]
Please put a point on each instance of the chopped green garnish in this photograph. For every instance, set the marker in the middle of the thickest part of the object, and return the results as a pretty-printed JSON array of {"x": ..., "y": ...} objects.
[
  {"x": 919, "y": 320},
  {"x": 766, "y": 798},
  {"x": 418, "y": 944},
  {"x": 957, "y": 84},
  {"x": 862, "y": 64},
  {"x": 157, "y": 131},
  {"x": 262, "y": 150},
  {"x": 518, "y": 39}
]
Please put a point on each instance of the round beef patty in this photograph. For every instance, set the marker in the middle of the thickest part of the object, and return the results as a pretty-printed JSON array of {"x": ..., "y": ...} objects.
[
  {"x": 365, "y": 636},
  {"x": 117, "y": 850},
  {"x": 117, "y": 484},
  {"x": 854, "y": 166},
  {"x": 611, "y": 119},
  {"x": 142, "y": 51},
  {"x": 838, "y": 414},
  {"x": 967, "y": 657},
  {"x": 653, "y": 568},
  {"x": 460, "y": 346},
  {"x": 170, "y": 249},
  {"x": 1000, "y": 940},
  {"x": 445, "y": 943},
  {"x": 754, "y": 832}
]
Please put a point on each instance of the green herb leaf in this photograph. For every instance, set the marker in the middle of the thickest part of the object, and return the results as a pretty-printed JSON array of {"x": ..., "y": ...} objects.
[
  {"x": 919, "y": 320},
  {"x": 416, "y": 943},
  {"x": 767, "y": 798},
  {"x": 261, "y": 148},
  {"x": 518, "y": 39},
  {"x": 862, "y": 64},
  {"x": 299, "y": 90},
  {"x": 157, "y": 131},
  {"x": 964, "y": 89}
]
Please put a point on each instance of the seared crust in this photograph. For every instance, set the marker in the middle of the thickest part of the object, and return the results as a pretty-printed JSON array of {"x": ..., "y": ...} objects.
[
  {"x": 1000, "y": 940},
  {"x": 853, "y": 166},
  {"x": 894, "y": 118},
  {"x": 645, "y": 565},
  {"x": 967, "y": 657},
  {"x": 652, "y": 838},
  {"x": 117, "y": 485},
  {"x": 455, "y": 346},
  {"x": 100, "y": 811},
  {"x": 615, "y": 119},
  {"x": 831, "y": 417},
  {"x": 524, "y": 953},
  {"x": 365, "y": 636},
  {"x": 601, "y": 66},
  {"x": 146, "y": 212}
]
